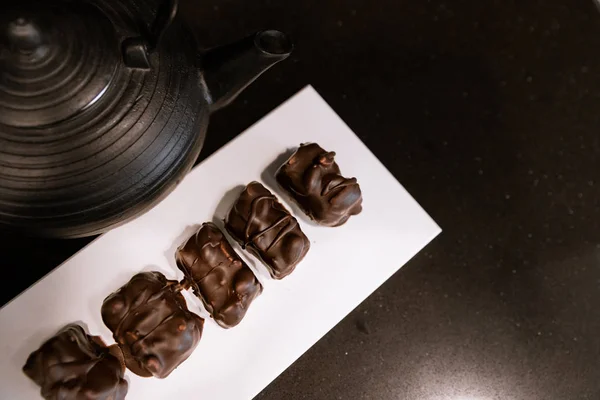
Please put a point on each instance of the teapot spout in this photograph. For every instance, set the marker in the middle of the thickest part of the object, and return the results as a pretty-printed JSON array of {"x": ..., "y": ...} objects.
[{"x": 231, "y": 68}]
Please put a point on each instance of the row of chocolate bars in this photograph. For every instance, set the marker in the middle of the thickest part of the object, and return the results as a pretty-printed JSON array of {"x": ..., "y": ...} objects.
[{"x": 154, "y": 330}]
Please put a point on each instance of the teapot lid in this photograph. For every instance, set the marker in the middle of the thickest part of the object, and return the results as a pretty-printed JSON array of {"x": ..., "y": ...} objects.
[{"x": 56, "y": 60}]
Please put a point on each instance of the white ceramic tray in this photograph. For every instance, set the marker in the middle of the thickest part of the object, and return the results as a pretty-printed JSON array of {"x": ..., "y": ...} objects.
[{"x": 343, "y": 266}]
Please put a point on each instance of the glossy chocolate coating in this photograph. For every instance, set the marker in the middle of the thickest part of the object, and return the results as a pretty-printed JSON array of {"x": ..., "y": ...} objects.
[
  {"x": 150, "y": 321},
  {"x": 217, "y": 275},
  {"x": 75, "y": 366},
  {"x": 313, "y": 179},
  {"x": 262, "y": 225}
]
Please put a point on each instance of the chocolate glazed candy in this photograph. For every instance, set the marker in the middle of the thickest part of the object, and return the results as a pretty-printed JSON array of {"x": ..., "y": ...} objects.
[
  {"x": 150, "y": 321},
  {"x": 313, "y": 179},
  {"x": 75, "y": 366},
  {"x": 263, "y": 226},
  {"x": 217, "y": 275}
]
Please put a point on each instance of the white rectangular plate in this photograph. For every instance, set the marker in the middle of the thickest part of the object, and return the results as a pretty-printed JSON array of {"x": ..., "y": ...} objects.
[{"x": 343, "y": 266}]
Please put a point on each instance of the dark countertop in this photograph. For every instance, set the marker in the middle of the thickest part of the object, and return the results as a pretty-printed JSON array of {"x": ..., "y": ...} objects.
[{"x": 488, "y": 112}]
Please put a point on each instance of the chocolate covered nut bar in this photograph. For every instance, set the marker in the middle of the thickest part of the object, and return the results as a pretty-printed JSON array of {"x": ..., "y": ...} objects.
[
  {"x": 150, "y": 321},
  {"x": 262, "y": 225},
  {"x": 313, "y": 179},
  {"x": 217, "y": 275},
  {"x": 75, "y": 366}
]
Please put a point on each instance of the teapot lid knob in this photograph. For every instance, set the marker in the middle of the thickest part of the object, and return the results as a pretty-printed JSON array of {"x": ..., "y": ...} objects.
[{"x": 24, "y": 36}]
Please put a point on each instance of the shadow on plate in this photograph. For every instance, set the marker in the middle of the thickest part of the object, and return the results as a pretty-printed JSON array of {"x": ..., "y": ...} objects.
[{"x": 181, "y": 239}]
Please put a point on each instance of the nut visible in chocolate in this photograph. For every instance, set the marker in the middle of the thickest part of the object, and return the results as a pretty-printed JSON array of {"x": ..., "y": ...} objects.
[
  {"x": 313, "y": 179},
  {"x": 217, "y": 275},
  {"x": 75, "y": 366},
  {"x": 150, "y": 321},
  {"x": 262, "y": 225}
]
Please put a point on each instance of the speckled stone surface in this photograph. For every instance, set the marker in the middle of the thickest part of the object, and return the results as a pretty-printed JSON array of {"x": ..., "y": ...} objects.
[{"x": 488, "y": 112}]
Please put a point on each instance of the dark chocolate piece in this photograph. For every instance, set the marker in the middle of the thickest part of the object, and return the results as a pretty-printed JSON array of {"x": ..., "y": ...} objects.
[
  {"x": 314, "y": 181},
  {"x": 150, "y": 321},
  {"x": 75, "y": 366},
  {"x": 262, "y": 225},
  {"x": 217, "y": 275}
]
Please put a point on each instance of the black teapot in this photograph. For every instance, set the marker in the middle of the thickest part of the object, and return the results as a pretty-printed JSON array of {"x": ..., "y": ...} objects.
[{"x": 104, "y": 106}]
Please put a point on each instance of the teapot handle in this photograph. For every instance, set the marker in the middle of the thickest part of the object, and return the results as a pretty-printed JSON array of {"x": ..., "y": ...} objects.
[
  {"x": 137, "y": 50},
  {"x": 165, "y": 15}
]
